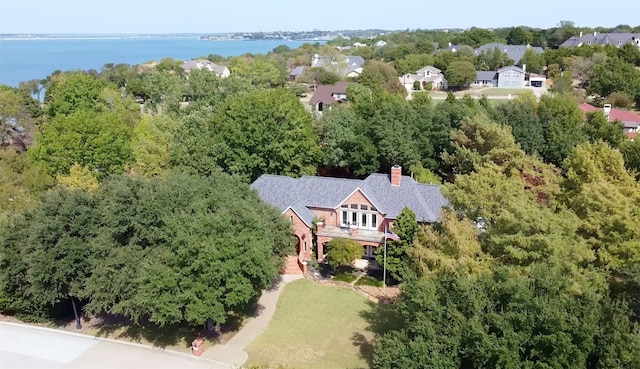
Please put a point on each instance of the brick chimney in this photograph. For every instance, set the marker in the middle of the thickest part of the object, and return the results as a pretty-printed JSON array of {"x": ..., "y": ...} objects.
[
  {"x": 607, "y": 111},
  {"x": 396, "y": 175}
]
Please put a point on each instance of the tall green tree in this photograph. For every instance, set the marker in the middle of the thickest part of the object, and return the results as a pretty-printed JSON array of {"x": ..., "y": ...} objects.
[
  {"x": 561, "y": 119},
  {"x": 406, "y": 227},
  {"x": 493, "y": 59},
  {"x": 520, "y": 115},
  {"x": 614, "y": 75},
  {"x": 519, "y": 36},
  {"x": 68, "y": 93},
  {"x": 151, "y": 144},
  {"x": 252, "y": 134},
  {"x": 377, "y": 74},
  {"x": 460, "y": 73},
  {"x": 534, "y": 61},
  {"x": 598, "y": 127},
  {"x": 179, "y": 249},
  {"x": 507, "y": 319},
  {"x": 606, "y": 198},
  {"x": 343, "y": 146},
  {"x": 98, "y": 141}
]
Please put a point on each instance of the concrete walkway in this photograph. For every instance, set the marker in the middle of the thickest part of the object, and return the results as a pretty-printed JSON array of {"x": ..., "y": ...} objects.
[
  {"x": 31, "y": 347},
  {"x": 233, "y": 352}
]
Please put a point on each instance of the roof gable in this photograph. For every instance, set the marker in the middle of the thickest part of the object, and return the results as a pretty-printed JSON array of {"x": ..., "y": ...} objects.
[
  {"x": 303, "y": 193},
  {"x": 325, "y": 93},
  {"x": 509, "y": 68}
]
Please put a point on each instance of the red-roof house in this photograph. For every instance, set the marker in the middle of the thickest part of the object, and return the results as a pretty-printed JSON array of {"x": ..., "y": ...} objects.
[
  {"x": 327, "y": 95},
  {"x": 630, "y": 121}
]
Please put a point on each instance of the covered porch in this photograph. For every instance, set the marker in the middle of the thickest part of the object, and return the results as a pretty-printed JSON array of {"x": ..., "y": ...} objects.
[{"x": 369, "y": 239}]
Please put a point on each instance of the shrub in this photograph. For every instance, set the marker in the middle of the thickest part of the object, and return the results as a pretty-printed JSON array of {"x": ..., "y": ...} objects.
[
  {"x": 365, "y": 280},
  {"x": 345, "y": 277},
  {"x": 342, "y": 251},
  {"x": 619, "y": 100}
]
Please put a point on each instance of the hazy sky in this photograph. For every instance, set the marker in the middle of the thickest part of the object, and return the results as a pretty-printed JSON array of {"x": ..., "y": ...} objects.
[{"x": 203, "y": 16}]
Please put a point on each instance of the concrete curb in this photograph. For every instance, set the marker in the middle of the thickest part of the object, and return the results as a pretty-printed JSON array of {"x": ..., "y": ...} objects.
[{"x": 97, "y": 338}]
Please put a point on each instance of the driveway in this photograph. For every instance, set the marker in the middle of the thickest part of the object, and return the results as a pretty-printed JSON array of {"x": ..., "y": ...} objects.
[{"x": 28, "y": 347}]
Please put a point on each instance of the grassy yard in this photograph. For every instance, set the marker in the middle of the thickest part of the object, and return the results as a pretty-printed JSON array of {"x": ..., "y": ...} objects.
[
  {"x": 494, "y": 91},
  {"x": 319, "y": 326}
]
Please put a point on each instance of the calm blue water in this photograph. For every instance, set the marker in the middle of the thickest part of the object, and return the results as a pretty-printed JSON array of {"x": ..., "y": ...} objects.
[{"x": 23, "y": 60}]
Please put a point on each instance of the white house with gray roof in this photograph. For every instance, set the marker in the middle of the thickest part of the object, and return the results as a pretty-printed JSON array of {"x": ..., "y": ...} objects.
[
  {"x": 595, "y": 38},
  {"x": 506, "y": 77},
  {"x": 355, "y": 209},
  {"x": 424, "y": 76},
  {"x": 220, "y": 70},
  {"x": 346, "y": 66}
]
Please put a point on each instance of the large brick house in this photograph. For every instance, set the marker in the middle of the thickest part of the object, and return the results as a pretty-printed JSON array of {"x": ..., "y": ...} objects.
[{"x": 347, "y": 208}]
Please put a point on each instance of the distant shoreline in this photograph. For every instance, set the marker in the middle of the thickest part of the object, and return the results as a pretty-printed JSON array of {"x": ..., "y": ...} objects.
[{"x": 53, "y": 38}]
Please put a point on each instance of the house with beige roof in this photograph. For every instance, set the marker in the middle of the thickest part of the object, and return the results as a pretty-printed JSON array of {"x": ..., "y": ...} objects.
[
  {"x": 428, "y": 75},
  {"x": 357, "y": 209}
]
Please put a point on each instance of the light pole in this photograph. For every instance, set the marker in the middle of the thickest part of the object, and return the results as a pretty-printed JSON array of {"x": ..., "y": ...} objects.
[
  {"x": 75, "y": 312},
  {"x": 384, "y": 264}
]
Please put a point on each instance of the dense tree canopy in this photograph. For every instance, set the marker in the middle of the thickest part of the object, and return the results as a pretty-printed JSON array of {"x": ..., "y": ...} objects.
[
  {"x": 180, "y": 249},
  {"x": 252, "y": 134},
  {"x": 452, "y": 320},
  {"x": 98, "y": 141},
  {"x": 460, "y": 73}
]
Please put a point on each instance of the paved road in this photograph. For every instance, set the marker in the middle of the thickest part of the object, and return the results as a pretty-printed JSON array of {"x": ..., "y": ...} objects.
[
  {"x": 27, "y": 347},
  {"x": 233, "y": 351}
]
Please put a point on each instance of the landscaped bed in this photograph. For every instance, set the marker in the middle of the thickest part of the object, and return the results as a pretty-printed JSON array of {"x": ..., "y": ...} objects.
[{"x": 318, "y": 326}]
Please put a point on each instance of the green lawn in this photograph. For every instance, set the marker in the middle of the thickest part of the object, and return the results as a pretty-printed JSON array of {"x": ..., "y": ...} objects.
[
  {"x": 319, "y": 326},
  {"x": 502, "y": 91}
]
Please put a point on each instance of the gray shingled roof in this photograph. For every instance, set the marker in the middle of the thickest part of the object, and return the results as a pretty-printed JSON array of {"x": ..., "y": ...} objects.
[
  {"x": 298, "y": 71},
  {"x": 486, "y": 76},
  {"x": 514, "y": 52},
  {"x": 616, "y": 39},
  {"x": 203, "y": 64},
  {"x": 304, "y": 193}
]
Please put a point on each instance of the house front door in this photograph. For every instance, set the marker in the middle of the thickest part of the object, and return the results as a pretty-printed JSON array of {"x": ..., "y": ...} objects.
[{"x": 369, "y": 252}]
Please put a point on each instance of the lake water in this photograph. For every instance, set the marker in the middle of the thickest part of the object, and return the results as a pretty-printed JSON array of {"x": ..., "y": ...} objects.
[{"x": 23, "y": 60}]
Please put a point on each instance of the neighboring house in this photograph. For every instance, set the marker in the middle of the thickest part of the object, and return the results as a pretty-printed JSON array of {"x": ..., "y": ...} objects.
[
  {"x": 219, "y": 70},
  {"x": 380, "y": 43},
  {"x": 360, "y": 210},
  {"x": 450, "y": 47},
  {"x": 327, "y": 95},
  {"x": 297, "y": 71},
  {"x": 486, "y": 79},
  {"x": 345, "y": 66},
  {"x": 427, "y": 75},
  {"x": 595, "y": 38},
  {"x": 359, "y": 44},
  {"x": 514, "y": 52},
  {"x": 507, "y": 77},
  {"x": 511, "y": 77},
  {"x": 537, "y": 80},
  {"x": 630, "y": 121}
]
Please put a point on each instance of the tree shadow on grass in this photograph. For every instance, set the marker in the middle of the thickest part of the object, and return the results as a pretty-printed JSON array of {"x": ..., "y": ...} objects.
[
  {"x": 119, "y": 327},
  {"x": 381, "y": 318},
  {"x": 177, "y": 335}
]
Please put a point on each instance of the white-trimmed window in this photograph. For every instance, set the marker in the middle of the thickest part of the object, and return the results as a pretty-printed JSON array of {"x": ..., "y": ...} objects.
[{"x": 359, "y": 216}]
